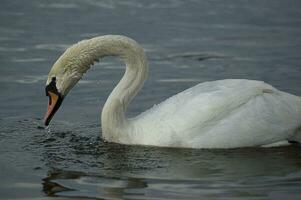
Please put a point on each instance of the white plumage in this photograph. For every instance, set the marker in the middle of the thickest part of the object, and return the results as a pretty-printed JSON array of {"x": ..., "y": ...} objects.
[
  {"x": 218, "y": 114},
  {"x": 221, "y": 114}
]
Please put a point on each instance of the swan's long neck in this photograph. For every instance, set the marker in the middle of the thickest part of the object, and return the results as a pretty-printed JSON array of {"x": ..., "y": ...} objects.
[
  {"x": 113, "y": 119},
  {"x": 79, "y": 58}
]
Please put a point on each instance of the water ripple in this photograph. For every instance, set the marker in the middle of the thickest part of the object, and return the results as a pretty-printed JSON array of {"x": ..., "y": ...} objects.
[
  {"x": 59, "y": 47},
  {"x": 24, "y": 80}
]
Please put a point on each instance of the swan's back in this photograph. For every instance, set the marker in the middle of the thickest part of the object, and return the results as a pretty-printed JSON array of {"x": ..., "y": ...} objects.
[{"x": 219, "y": 114}]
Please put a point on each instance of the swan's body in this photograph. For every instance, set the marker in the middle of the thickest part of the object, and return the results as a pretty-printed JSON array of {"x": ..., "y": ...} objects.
[{"x": 218, "y": 114}]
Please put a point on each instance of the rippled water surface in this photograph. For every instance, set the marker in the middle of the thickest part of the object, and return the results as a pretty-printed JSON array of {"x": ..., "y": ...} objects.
[{"x": 187, "y": 42}]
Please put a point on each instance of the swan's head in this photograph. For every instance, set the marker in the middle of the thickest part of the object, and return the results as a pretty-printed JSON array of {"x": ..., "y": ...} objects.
[
  {"x": 77, "y": 59},
  {"x": 64, "y": 74}
]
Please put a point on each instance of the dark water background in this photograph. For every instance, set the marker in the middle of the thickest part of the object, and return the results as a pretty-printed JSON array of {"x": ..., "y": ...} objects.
[{"x": 186, "y": 42}]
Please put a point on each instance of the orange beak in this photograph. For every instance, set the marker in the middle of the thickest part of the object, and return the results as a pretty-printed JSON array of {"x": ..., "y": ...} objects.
[{"x": 53, "y": 105}]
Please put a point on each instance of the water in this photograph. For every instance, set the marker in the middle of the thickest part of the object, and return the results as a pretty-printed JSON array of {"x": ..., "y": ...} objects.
[{"x": 186, "y": 43}]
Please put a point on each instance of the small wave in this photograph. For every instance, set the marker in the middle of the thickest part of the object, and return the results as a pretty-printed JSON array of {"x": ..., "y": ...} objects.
[
  {"x": 108, "y": 4},
  {"x": 24, "y": 79},
  {"x": 87, "y": 82},
  {"x": 182, "y": 66},
  {"x": 11, "y": 31},
  {"x": 96, "y": 82},
  {"x": 5, "y": 49},
  {"x": 31, "y": 79},
  {"x": 12, "y": 13},
  {"x": 59, "y": 47},
  {"x": 59, "y": 6},
  {"x": 178, "y": 80},
  {"x": 89, "y": 35},
  {"x": 149, "y": 48},
  {"x": 197, "y": 55},
  {"x": 5, "y": 38},
  {"x": 23, "y": 60}
]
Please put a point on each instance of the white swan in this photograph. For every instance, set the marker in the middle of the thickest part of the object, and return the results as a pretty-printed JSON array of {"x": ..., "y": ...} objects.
[{"x": 218, "y": 114}]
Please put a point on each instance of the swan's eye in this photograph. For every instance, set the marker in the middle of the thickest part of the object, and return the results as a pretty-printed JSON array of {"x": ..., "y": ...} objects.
[{"x": 51, "y": 87}]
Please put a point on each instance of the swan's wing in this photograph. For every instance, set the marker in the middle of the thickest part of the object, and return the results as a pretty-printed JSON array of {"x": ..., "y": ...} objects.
[
  {"x": 200, "y": 114},
  {"x": 203, "y": 102}
]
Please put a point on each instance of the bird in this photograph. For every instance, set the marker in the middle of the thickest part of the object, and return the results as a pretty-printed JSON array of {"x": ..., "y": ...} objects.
[{"x": 230, "y": 113}]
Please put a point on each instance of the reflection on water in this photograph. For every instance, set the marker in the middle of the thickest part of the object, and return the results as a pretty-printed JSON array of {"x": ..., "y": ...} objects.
[
  {"x": 90, "y": 185},
  {"x": 183, "y": 174},
  {"x": 82, "y": 166}
]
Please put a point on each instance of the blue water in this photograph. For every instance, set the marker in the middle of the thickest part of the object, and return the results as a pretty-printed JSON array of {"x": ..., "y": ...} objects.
[{"x": 186, "y": 42}]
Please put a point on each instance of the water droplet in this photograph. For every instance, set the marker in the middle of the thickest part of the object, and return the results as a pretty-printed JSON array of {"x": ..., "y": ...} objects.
[{"x": 48, "y": 129}]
